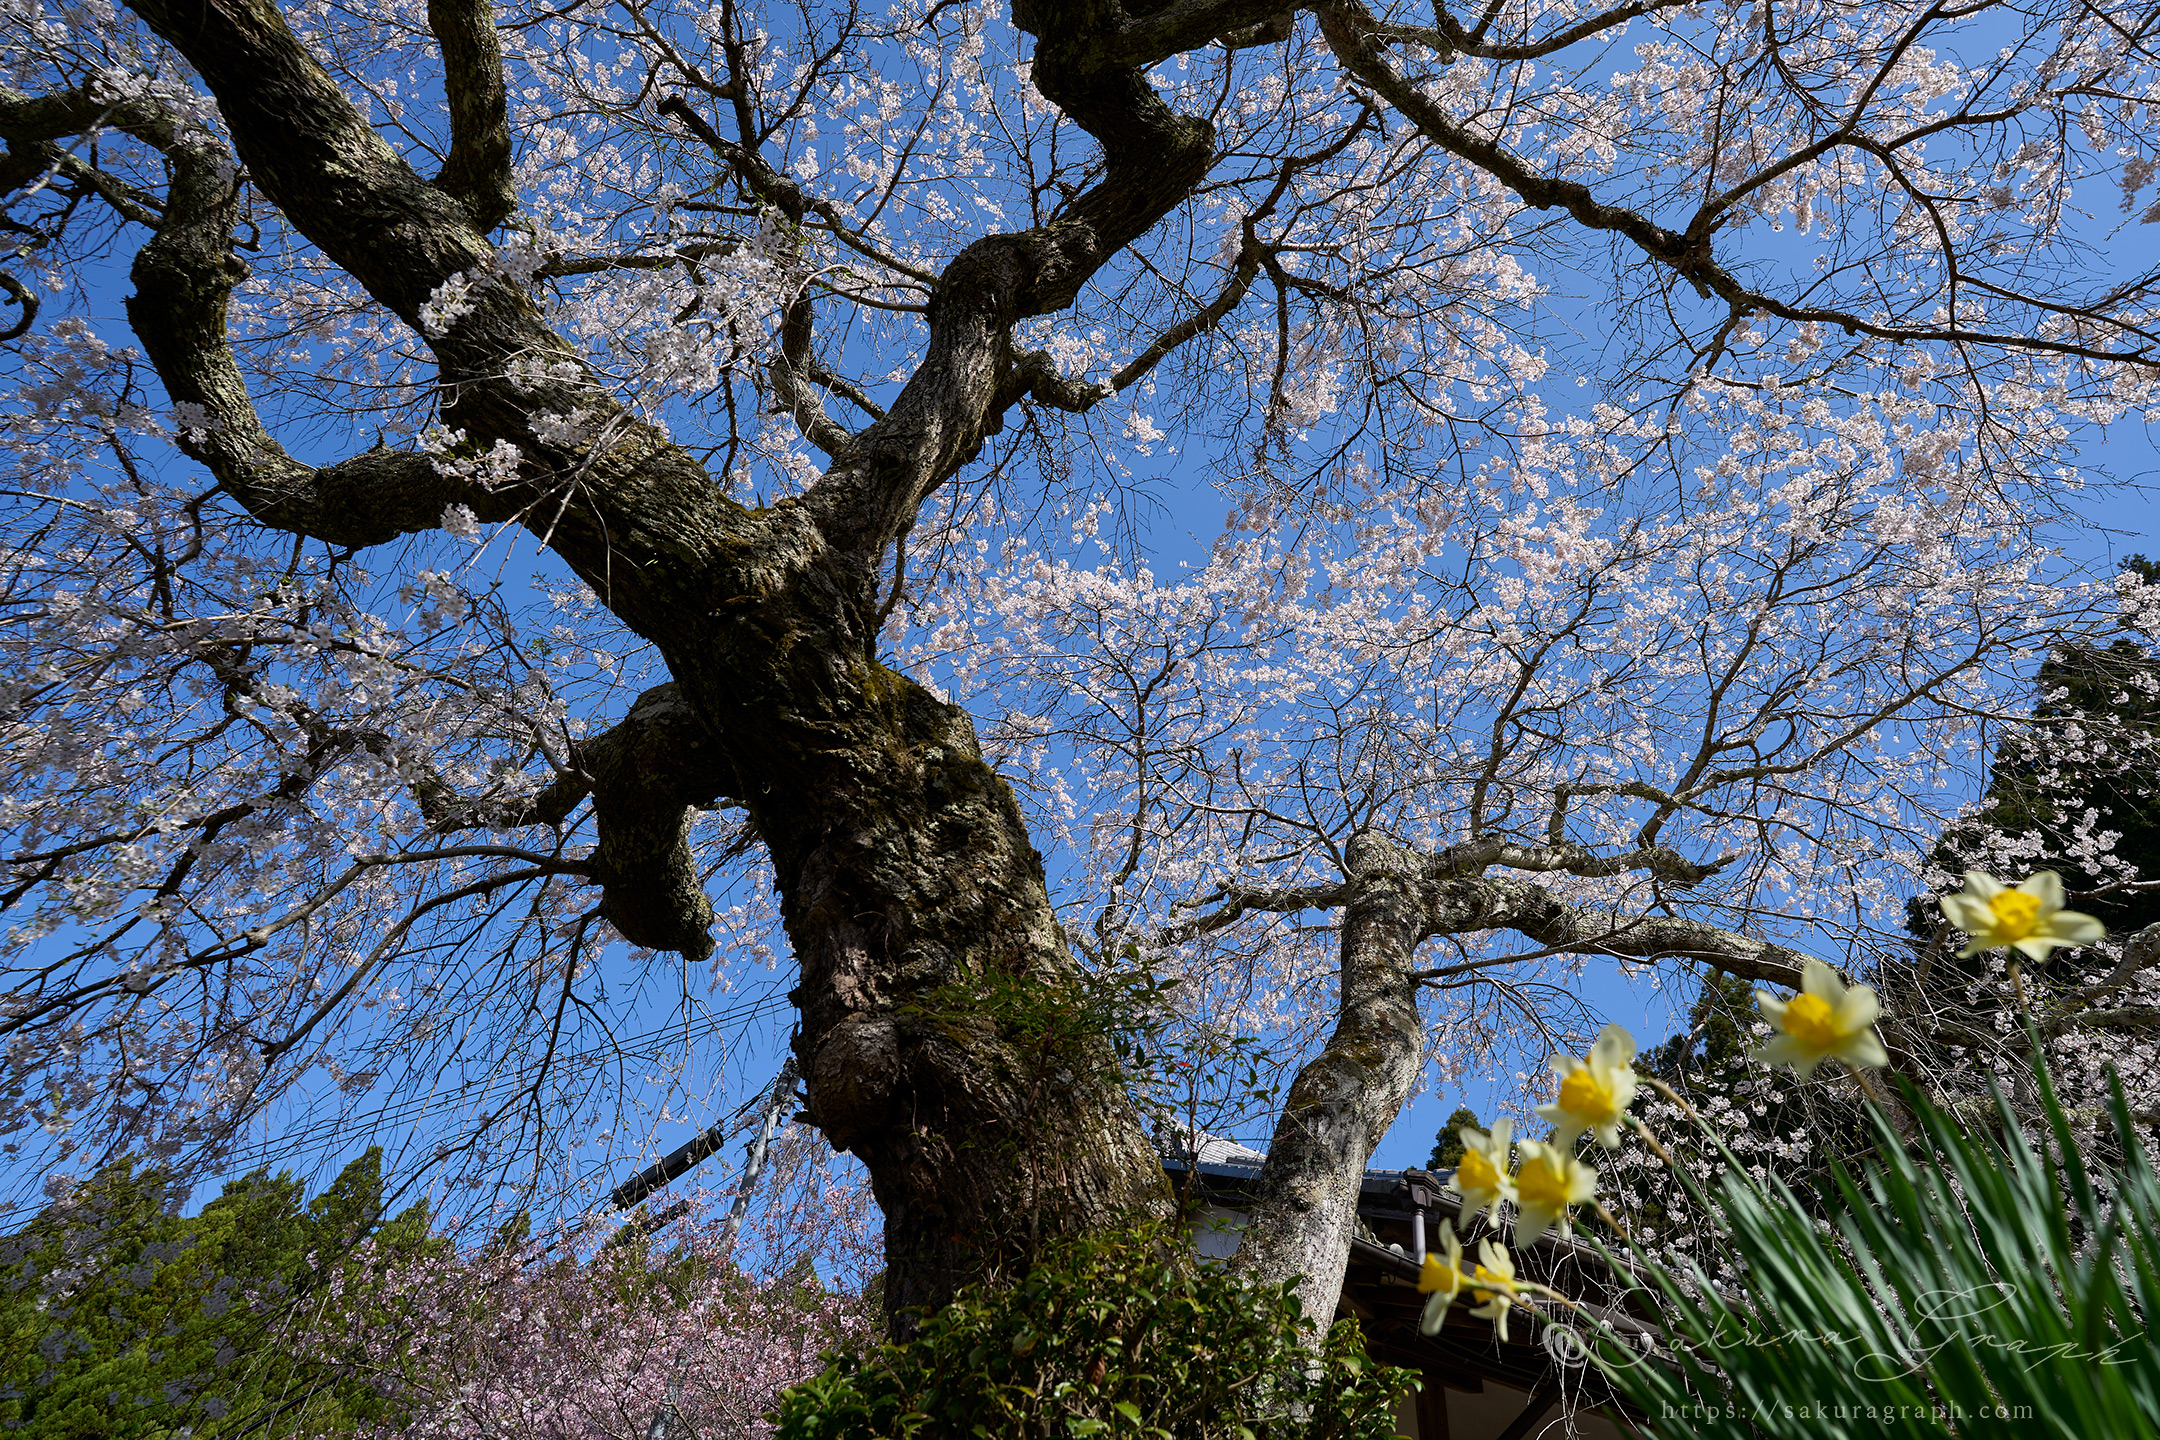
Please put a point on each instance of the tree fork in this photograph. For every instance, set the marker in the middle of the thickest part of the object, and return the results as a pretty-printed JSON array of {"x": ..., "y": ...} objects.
[{"x": 934, "y": 976}]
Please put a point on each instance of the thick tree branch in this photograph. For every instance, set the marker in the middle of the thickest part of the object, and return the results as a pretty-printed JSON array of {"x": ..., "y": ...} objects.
[
  {"x": 1345, "y": 1098},
  {"x": 32, "y": 161},
  {"x": 1475, "y": 857},
  {"x": 632, "y": 513},
  {"x": 25, "y": 299},
  {"x": 1463, "y": 905},
  {"x": 1238, "y": 901},
  {"x": 184, "y": 279},
  {"x": 791, "y": 368},
  {"x": 447, "y": 812},
  {"x": 31, "y": 123},
  {"x": 477, "y": 170},
  {"x": 1186, "y": 25},
  {"x": 80, "y": 111},
  {"x": 648, "y": 773},
  {"x": 1152, "y": 157}
]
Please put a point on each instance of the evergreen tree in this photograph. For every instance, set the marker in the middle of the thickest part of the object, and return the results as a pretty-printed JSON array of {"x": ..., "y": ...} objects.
[
  {"x": 2089, "y": 768},
  {"x": 119, "y": 1317},
  {"x": 1447, "y": 1145}
]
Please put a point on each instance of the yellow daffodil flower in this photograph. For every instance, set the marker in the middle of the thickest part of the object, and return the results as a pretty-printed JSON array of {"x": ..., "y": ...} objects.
[
  {"x": 1442, "y": 1279},
  {"x": 1594, "y": 1093},
  {"x": 1825, "y": 1021},
  {"x": 1493, "y": 1286},
  {"x": 1547, "y": 1181},
  {"x": 1481, "y": 1176},
  {"x": 2028, "y": 918}
]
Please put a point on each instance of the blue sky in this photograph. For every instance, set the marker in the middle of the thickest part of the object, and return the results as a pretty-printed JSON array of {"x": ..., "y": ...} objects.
[{"x": 734, "y": 1065}]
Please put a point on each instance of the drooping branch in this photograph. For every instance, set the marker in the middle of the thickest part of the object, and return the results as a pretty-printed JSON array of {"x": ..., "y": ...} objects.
[
  {"x": 646, "y": 775},
  {"x": 1359, "y": 41},
  {"x": 779, "y": 190},
  {"x": 477, "y": 169}
]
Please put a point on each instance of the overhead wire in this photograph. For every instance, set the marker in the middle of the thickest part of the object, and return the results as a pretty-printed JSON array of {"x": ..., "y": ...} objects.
[{"x": 340, "y": 1128}]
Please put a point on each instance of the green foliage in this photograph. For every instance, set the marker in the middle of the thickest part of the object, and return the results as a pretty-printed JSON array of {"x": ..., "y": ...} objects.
[
  {"x": 1975, "y": 1285},
  {"x": 1447, "y": 1150},
  {"x": 1126, "y": 1002},
  {"x": 121, "y": 1318},
  {"x": 1715, "y": 1040},
  {"x": 1121, "y": 1336}
]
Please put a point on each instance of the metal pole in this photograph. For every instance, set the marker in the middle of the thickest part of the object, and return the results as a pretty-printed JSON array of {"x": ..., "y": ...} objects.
[{"x": 778, "y": 1102}]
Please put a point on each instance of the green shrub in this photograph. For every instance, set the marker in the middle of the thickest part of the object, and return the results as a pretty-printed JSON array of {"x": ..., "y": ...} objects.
[{"x": 1112, "y": 1337}]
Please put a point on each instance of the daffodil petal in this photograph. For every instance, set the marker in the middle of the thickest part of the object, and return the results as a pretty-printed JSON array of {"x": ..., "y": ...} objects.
[
  {"x": 1773, "y": 1009},
  {"x": 1614, "y": 1048},
  {"x": 1435, "y": 1314},
  {"x": 1982, "y": 886},
  {"x": 2037, "y": 947},
  {"x": 1859, "y": 1009},
  {"x": 1863, "y": 1051},
  {"x": 1967, "y": 913},
  {"x": 2076, "y": 927},
  {"x": 2046, "y": 887},
  {"x": 1785, "y": 1050},
  {"x": 1819, "y": 980}
]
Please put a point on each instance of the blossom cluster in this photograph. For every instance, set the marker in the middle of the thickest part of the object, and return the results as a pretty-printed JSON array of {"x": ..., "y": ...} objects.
[{"x": 532, "y": 1340}]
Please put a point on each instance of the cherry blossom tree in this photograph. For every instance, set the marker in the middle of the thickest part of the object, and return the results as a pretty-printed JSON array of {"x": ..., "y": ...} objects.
[
  {"x": 527, "y": 1339},
  {"x": 586, "y": 503}
]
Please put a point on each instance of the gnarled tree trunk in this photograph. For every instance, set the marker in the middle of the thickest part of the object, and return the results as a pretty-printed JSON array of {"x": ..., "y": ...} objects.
[{"x": 933, "y": 978}]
